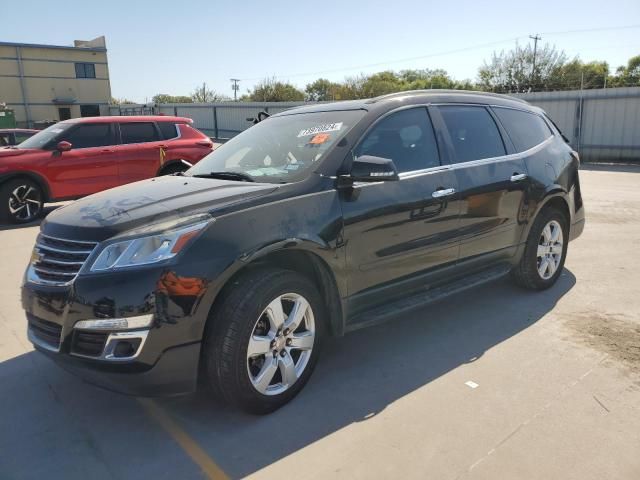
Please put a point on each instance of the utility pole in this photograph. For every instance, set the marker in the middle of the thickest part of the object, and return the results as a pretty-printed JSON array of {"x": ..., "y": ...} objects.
[
  {"x": 535, "y": 39},
  {"x": 235, "y": 87}
]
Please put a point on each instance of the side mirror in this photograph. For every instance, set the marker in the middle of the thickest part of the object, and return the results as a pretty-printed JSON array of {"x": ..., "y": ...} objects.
[
  {"x": 63, "y": 146},
  {"x": 368, "y": 168}
]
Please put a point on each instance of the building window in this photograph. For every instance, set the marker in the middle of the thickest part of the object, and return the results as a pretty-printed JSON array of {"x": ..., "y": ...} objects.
[
  {"x": 64, "y": 113},
  {"x": 85, "y": 70},
  {"x": 89, "y": 111}
]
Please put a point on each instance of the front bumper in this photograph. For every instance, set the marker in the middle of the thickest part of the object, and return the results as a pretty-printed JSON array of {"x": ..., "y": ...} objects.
[
  {"x": 174, "y": 373},
  {"x": 168, "y": 358}
]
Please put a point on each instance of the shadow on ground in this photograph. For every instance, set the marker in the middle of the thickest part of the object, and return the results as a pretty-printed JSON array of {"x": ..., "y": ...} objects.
[{"x": 358, "y": 376}]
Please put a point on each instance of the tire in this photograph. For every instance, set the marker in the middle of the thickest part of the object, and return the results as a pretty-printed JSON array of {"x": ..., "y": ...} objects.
[
  {"x": 260, "y": 383},
  {"x": 21, "y": 201},
  {"x": 552, "y": 246}
]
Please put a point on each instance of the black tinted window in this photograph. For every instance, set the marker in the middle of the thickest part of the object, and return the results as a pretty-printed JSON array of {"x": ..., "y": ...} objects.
[
  {"x": 168, "y": 130},
  {"x": 526, "y": 130},
  {"x": 473, "y": 132},
  {"x": 406, "y": 138},
  {"x": 85, "y": 70},
  {"x": 138, "y": 132},
  {"x": 91, "y": 135}
]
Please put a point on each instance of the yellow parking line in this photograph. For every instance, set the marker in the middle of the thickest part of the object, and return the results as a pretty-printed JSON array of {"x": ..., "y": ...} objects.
[{"x": 188, "y": 444}]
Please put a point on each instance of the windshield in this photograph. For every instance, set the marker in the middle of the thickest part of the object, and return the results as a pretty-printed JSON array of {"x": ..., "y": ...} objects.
[
  {"x": 42, "y": 138},
  {"x": 280, "y": 149}
]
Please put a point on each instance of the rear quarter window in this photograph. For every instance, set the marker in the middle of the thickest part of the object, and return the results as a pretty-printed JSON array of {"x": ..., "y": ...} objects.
[
  {"x": 168, "y": 130},
  {"x": 525, "y": 129}
]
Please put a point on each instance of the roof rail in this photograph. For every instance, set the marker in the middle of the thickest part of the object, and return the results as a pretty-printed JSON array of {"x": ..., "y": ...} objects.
[{"x": 445, "y": 91}]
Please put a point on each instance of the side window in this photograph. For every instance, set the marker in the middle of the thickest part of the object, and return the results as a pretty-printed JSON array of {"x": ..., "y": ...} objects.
[
  {"x": 473, "y": 132},
  {"x": 89, "y": 135},
  {"x": 4, "y": 139},
  {"x": 526, "y": 130},
  {"x": 138, "y": 132},
  {"x": 406, "y": 137},
  {"x": 169, "y": 130},
  {"x": 21, "y": 137}
]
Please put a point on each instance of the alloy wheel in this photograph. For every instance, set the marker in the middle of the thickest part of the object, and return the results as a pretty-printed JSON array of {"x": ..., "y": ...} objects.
[
  {"x": 550, "y": 249},
  {"x": 25, "y": 203},
  {"x": 281, "y": 344}
]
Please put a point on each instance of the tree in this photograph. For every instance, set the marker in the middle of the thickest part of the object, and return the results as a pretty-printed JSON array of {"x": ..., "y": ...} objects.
[
  {"x": 166, "y": 98},
  {"x": 121, "y": 101},
  {"x": 575, "y": 74},
  {"x": 322, "y": 90},
  {"x": 627, "y": 76},
  {"x": 512, "y": 71},
  {"x": 203, "y": 94},
  {"x": 271, "y": 90}
]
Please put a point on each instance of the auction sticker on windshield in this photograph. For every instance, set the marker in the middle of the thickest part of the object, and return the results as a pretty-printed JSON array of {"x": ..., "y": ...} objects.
[{"x": 327, "y": 127}]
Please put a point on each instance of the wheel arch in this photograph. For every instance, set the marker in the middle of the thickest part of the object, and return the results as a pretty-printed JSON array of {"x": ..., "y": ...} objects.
[
  {"x": 555, "y": 198},
  {"x": 172, "y": 163},
  {"x": 40, "y": 180},
  {"x": 299, "y": 256}
]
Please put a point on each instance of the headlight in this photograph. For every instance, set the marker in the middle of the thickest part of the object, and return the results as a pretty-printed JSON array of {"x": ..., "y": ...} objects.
[{"x": 146, "y": 249}]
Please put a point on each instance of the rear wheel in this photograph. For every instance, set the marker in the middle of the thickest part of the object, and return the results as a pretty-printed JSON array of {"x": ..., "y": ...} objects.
[
  {"x": 265, "y": 339},
  {"x": 21, "y": 201},
  {"x": 545, "y": 251}
]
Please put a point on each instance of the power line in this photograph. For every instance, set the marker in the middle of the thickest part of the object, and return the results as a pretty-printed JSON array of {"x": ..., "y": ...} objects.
[{"x": 438, "y": 54}]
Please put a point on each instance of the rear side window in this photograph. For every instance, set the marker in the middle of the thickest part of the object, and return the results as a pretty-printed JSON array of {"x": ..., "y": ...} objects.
[
  {"x": 526, "y": 130},
  {"x": 473, "y": 132},
  {"x": 139, "y": 132},
  {"x": 169, "y": 130},
  {"x": 89, "y": 135},
  {"x": 406, "y": 137}
]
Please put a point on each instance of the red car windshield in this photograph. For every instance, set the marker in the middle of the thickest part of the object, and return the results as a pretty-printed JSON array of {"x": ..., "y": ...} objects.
[{"x": 42, "y": 138}]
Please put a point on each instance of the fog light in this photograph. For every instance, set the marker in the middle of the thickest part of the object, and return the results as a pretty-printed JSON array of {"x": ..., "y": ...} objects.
[{"x": 126, "y": 348}]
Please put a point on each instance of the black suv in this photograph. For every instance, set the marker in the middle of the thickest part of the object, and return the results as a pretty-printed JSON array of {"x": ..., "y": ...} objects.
[{"x": 316, "y": 221}]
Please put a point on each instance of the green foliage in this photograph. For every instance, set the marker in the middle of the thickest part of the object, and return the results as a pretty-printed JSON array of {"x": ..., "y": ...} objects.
[
  {"x": 322, "y": 90},
  {"x": 203, "y": 94},
  {"x": 513, "y": 71},
  {"x": 627, "y": 76},
  {"x": 166, "y": 98},
  {"x": 271, "y": 90}
]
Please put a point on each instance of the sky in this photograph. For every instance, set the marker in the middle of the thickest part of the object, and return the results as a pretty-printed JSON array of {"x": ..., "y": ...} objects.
[{"x": 172, "y": 46}]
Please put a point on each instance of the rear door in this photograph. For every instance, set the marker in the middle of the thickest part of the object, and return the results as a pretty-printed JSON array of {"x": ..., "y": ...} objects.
[
  {"x": 141, "y": 151},
  {"x": 91, "y": 164},
  {"x": 492, "y": 182},
  {"x": 395, "y": 230}
]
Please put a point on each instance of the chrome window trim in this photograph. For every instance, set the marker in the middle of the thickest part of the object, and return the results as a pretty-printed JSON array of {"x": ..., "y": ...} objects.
[{"x": 471, "y": 163}]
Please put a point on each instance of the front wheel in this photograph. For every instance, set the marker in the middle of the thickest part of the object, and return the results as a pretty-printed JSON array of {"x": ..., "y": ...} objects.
[
  {"x": 21, "y": 201},
  {"x": 545, "y": 251},
  {"x": 264, "y": 340}
]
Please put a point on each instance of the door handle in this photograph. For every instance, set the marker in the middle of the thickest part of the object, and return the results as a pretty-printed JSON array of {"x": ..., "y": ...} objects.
[
  {"x": 107, "y": 150},
  {"x": 443, "y": 192},
  {"x": 517, "y": 177}
]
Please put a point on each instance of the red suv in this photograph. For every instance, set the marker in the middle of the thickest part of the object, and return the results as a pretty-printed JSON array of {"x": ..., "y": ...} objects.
[{"x": 87, "y": 155}]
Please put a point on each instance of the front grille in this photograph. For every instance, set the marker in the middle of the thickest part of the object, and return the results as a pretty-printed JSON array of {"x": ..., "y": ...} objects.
[
  {"x": 90, "y": 344},
  {"x": 45, "y": 332},
  {"x": 56, "y": 261}
]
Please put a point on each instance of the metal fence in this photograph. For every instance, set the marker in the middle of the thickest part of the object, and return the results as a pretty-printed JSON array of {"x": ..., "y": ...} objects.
[{"x": 601, "y": 124}]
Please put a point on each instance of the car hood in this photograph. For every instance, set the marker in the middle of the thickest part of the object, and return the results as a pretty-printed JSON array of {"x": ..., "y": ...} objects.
[{"x": 161, "y": 199}]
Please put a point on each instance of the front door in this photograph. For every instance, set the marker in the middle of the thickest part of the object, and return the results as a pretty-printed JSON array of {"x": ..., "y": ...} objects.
[
  {"x": 395, "y": 230},
  {"x": 491, "y": 184},
  {"x": 91, "y": 164}
]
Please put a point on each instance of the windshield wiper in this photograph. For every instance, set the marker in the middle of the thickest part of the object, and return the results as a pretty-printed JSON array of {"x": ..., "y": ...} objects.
[{"x": 243, "y": 177}]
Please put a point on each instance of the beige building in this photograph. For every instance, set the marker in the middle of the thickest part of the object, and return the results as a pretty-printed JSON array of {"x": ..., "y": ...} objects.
[{"x": 44, "y": 83}]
